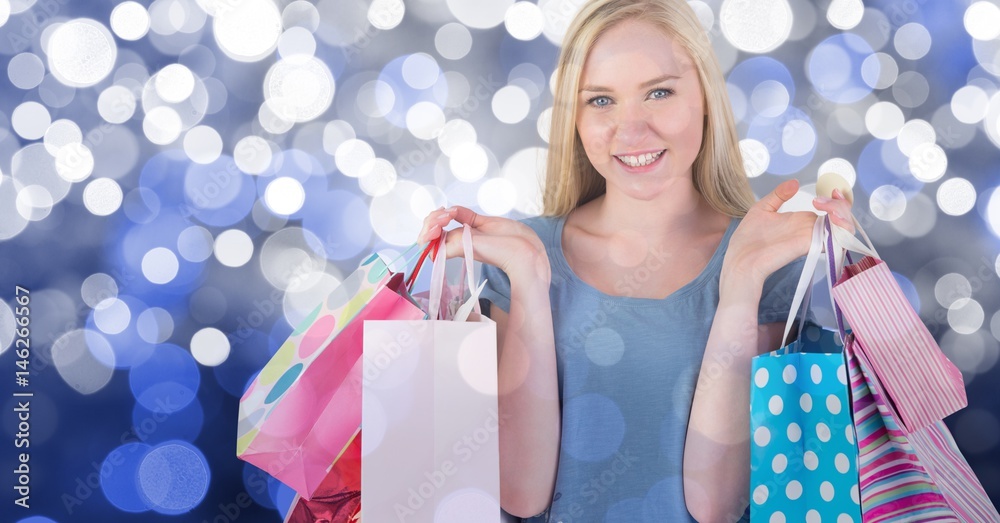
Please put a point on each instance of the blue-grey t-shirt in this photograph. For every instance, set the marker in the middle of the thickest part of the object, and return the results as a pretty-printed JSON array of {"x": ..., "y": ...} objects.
[{"x": 627, "y": 370}]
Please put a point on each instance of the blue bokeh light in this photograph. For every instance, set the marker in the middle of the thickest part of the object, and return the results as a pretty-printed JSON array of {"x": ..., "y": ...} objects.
[
  {"x": 118, "y": 477},
  {"x": 342, "y": 237},
  {"x": 167, "y": 381},
  {"x": 882, "y": 163},
  {"x": 258, "y": 484},
  {"x": 218, "y": 193},
  {"x": 834, "y": 68},
  {"x": 406, "y": 96},
  {"x": 173, "y": 477},
  {"x": 129, "y": 348},
  {"x": 156, "y": 427},
  {"x": 282, "y": 496},
  {"x": 750, "y": 74},
  {"x": 772, "y": 133}
]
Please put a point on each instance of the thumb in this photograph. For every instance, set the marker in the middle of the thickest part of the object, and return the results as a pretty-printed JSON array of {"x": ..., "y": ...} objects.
[{"x": 781, "y": 194}]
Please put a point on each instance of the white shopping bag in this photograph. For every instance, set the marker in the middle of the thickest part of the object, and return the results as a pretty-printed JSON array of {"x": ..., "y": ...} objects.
[{"x": 429, "y": 438}]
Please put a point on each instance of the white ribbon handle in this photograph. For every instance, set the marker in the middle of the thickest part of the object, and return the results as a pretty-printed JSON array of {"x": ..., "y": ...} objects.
[
  {"x": 438, "y": 279},
  {"x": 805, "y": 279}
]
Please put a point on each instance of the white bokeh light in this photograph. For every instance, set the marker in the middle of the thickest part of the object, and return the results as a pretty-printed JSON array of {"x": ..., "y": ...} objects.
[
  {"x": 956, "y": 196},
  {"x": 756, "y": 27},
  {"x": 98, "y": 287},
  {"x": 477, "y": 14},
  {"x": 112, "y": 316},
  {"x": 497, "y": 196},
  {"x": 798, "y": 138},
  {"x": 296, "y": 40},
  {"x": 511, "y": 104},
  {"x": 233, "y": 248},
  {"x": 424, "y": 120},
  {"x": 102, "y": 196},
  {"x": 351, "y": 155},
  {"x": 952, "y": 287},
  {"x": 386, "y": 14},
  {"x": 174, "y": 83},
  {"x": 252, "y": 154},
  {"x": 845, "y": 14},
  {"x": 162, "y": 125},
  {"x": 469, "y": 162},
  {"x": 248, "y": 30},
  {"x": 841, "y": 167},
  {"x": 34, "y": 203},
  {"x": 756, "y": 157},
  {"x": 884, "y": 120},
  {"x": 155, "y": 325},
  {"x": 30, "y": 120},
  {"x": 887, "y": 203},
  {"x": 912, "y": 41},
  {"x": 455, "y": 134},
  {"x": 195, "y": 244},
  {"x": 914, "y": 133},
  {"x": 74, "y": 162},
  {"x": 202, "y": 144},
  {"x": 453, "y": 41},
  {"x": 928, "y": 162},
  {"x": 210, "y": 347},
  {"x": 160, "y": 265},
  {"x": 299, "y": 88},
  {"x": 993, "y": 217},
  {"x": 81, "y": 52},
  {"x": 130, "y": 20},
  {"x": 966, "y": 316},
  {"x": 84, "y": 360},
  {"x": 284, "y": 195},
  {"x": 524, "y": 21},
  {"x": 26, "y": 71},
  {"x": 377, "y": 177},
  {"x": 420, "y": 71},
  {"x": 970, "y": 104},
  {"x": 982, "y": 20},
  {"x": 61, "y": 132},
  {"x": 116, "y": 104}
]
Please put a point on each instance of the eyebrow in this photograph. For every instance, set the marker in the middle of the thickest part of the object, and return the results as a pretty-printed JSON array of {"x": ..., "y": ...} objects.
[{"x": 650, "y": 83}]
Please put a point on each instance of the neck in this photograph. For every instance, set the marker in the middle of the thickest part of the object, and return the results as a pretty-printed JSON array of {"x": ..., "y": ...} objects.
[{"x": 679, "y": 207}]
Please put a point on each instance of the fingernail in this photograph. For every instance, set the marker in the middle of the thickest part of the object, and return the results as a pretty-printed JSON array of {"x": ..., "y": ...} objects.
[
  {"x": 822, "y": 199},
  {"x": 450, "y": 209},
  {"x": 837, "y": 194}
]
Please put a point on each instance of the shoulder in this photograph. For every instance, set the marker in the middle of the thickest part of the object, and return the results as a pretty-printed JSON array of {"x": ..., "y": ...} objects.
[{"x": 545, "y": 227}]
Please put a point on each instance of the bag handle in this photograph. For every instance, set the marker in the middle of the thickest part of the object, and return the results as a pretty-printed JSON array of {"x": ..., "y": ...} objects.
[
  {"x": 438, "y": 280},
  {"x": 803, "y": 290},
  {"x": 432, "y": 249}
]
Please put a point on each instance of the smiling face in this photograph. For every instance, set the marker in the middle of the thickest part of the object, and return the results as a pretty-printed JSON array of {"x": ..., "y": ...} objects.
[{"x": 640, "y": 111}]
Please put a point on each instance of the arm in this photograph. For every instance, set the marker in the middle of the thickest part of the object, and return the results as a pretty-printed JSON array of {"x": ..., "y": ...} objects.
[
  {"x": 717, "y": 448},
  {"x": 528, "y": 398}
]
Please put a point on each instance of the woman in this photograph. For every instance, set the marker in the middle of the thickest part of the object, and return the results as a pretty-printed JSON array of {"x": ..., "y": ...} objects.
[{"x": 628, "y": 313}]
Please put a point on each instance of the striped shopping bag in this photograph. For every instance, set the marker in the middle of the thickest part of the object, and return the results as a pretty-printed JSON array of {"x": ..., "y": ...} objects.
[{"x": 902, "y": 386}]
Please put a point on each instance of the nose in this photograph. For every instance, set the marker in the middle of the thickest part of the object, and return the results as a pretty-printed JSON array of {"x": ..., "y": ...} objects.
[{"x": 633, "y": 125}]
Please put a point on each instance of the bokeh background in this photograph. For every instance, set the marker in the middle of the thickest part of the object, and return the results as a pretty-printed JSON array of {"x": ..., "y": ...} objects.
[{"x": 182, "y": 180}]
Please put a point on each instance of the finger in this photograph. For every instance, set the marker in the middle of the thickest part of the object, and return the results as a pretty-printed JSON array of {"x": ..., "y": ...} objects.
[
  {"x": 781, "y": 194},
  {"x": 467, "y": 216},
  {"x": 433, "y": 223}
]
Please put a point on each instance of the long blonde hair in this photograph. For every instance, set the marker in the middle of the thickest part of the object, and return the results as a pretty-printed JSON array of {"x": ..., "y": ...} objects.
[{"x": 718, "y": 172}]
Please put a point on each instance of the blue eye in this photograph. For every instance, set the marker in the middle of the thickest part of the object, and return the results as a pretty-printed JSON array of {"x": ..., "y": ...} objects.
[
  {"x": 599, "y": 101},
  {"x": 660, "y": 93}
]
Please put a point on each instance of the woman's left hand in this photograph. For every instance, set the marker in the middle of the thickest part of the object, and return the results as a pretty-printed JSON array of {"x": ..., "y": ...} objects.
[{"x": 767, "y": 240}]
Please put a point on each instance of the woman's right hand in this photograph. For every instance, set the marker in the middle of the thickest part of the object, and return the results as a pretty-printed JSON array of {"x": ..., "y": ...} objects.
[{"x": 507, "y": 244}]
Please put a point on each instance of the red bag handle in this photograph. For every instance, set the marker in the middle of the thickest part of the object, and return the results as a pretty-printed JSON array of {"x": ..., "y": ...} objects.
[{"x": 432, "y": 245}]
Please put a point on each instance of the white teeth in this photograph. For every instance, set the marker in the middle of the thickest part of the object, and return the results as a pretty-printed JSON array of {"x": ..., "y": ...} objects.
[{"x": 641, "y": 160}]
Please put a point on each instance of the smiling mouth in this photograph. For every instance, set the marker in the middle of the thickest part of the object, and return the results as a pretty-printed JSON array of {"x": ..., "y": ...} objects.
[{"x": 641, "y": 160}]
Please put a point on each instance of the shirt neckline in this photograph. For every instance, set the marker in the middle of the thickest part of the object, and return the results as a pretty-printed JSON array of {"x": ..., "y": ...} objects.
[{"x": 562, "y": 265}]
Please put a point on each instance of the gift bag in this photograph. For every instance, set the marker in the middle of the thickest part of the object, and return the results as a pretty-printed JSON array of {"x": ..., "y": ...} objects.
[
  {"x": 430, "y": 446},
  {"x": 803, "y": 460},
  {"x": 338, "y": 497},
  {"x": 304, "y": 408}
]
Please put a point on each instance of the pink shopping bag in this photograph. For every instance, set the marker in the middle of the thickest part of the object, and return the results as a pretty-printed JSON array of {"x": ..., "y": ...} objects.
[{"x": 304, "y": 408}]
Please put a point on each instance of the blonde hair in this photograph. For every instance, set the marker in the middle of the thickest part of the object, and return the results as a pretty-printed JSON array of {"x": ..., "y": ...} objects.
[{"x": 718, "y": 172}]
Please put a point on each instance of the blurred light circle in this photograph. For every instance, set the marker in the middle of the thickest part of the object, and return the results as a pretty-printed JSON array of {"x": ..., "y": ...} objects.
[
  {"x": 455, "y": 134},
  {"x": 497, "y": 196},
  {"x": 841, "y": 167},
  {"x": 511, "y": 104},
  {"x": 918, "y": 219},
  {"x": 928, "y": 162},
  {"x": 130, "y": 20},
  {"x": 203, "y": 144},
  {"x": 300, "y": 13},
  {"x": 296, "y": 40},
  {"x": 756, "y": 27},
  {"x": 292, "y": 258},
  {"x": 351, "y": 155},
  {"x": 386, "y": 14},
  {"x": 162, "y": 125},
  {"x": 959, "y": 135},
  {"x": 377, "y": 177},
  {"x": 174, "y": 83},
  {"x": 525, "y": 170},
  {"x": 119, "y": 482},
  {"x": 835, "y": 68},
  {"x": 166, "y": 381},
  {"x": 4, "y": 12},
  {"x": 845, "y": 14},
  {"x": 252, "y": 154},
  {"x": 914, "y": 133},
  {"x": 911, "y": 89},
  {"x": 233, "y": 248},
  {"x": 912, "y": 41},
  {"x": 558, "y": 14},
  {"x": 424, "y": 120},
  {"x": 391, "y": 216},
  {"x": 299, "y": 303},
  {"x": 991, "y": 124},
  {"x": 756, "y": 157},
  {"x": 879, "y": 70},
  {"x": 770, "y": 98},
  {"x": 195, "y": 244},
  {"x": 116, "y": 104},
  {"x": 798, "y": 138},
  {"x": 102, "y": 196},
  {"x": 74, "y": 162},
  {"x": 956, "y": 196},
  {"x": 458, "y": 89},
  {"x": 453, "y": 41},
  {"x": 210, "y": 347},
  {"x": 704, "y": 13},
  {"x": 97, "y": 288},
  {"x": 265, "y": 219},
  {"x": 33, "y": 165},
  {"x": 26, "y": 70},
  {"x": 284, "y": 195},
  {"x": 887, "y": 203},
  {"x": 335, "y": 133},
  {"x": 965, "y": 316},
  {"x": 477, "y": 14},
  {"x": 160, "y": 265},
  {"x": 154, "y": 325},
  {"x": 34, "y": 203},
  {"x": 469, "y": 162},
  {"x": 524, "y": 21},
  {"x": 544, "y": 125},
  {"x": 884, "y": 120},
  {"x": 299, "y": 88},
  {"x": 61, "y": 132},
  {"x": 982, "y": 20},
  {"x": 173, "y": 477},
  {"x": 112, "y": 316},
  {"x": 952, "y": 287},
  {"x": 969, "y": 104},
  {"x": 845, "y": 125},
  {"x": 426, "y": 199},
  {"x": 85, "y": 363},
  {"x": 376, "y": 98},
  {"x": 30, "y": 120},
  {"x": 7, "y": 326},
  {"x": 81, "y": 52},
  {"x": 247, "y": 31},
  {"x": 420, "y": 71},
  {"x": 994, "y": 323},
  {"x": 11, "y": 221},
  {"x": 992, "y": 217}
]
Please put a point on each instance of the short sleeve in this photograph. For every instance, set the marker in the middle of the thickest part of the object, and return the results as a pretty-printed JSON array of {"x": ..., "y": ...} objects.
[
  {"x": 778, "y": 292},
  {"x": 497, "y": 289}
]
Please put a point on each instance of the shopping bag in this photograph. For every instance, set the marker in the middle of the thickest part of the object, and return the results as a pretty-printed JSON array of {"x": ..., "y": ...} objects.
[
  {"x": 338, "y": 497},
  {"x": 430, "y": 446},
  {"x": 803, "y": 461},
  {"x": 304, "y": 408}
]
